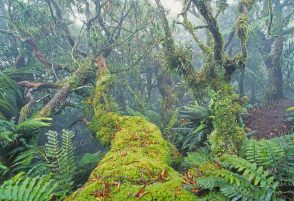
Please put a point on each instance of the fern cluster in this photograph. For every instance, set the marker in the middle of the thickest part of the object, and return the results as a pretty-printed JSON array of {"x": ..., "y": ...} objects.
[
  {"x": 276, "y": 155},
  {"x": 262, "y": 171},
  {"x": 195, "y": 125},
  {"x": 55, "y": 158}
]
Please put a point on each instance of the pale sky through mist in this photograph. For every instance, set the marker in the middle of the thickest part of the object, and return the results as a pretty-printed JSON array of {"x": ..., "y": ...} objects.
[{"x": 175, "y": 6}]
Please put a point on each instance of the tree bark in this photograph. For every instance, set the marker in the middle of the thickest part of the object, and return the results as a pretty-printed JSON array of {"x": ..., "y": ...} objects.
[
  {"x": 273, "y": 65},
  {"x": 169, "y": 99}
]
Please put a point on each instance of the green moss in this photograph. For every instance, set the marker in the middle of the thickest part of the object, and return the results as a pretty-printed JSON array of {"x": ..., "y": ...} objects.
[
  {"x": 136, "y": 166},
  {"x": 24, "y": 112},
  {"x": 242, "y": 28},
  {"x": 83, "y": 68},
  {"x": 227, "y": 134},
  {"x": 104, "y": 127}
]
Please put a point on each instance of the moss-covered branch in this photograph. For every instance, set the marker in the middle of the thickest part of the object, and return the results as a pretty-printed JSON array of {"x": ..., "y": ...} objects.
[
  {"x": 189, "y": 27},
  {"x": 66, "y": 86},
  {"x": 177, "y": 58},
  {"x": 213, "y": 27}
]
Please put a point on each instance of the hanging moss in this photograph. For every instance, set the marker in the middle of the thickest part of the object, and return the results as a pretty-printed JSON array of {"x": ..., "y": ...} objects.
[
  {"x": 242, "y": 27},
  {"x": 137, "y": 166}
]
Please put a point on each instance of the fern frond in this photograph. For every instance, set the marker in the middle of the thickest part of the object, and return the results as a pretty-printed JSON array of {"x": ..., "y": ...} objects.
[
  {"x": 11, "y": 97},
  {"x": 32, "y": 125},
  {"x": 215, "y": 196},
  {"x": 209, "y": 182},
  {"x": 195, "y": 159},
  {"x": 21, "y": 188},
  {"x": 267, "y": 153},
  {"x": 251, "y": 171},
  {"x": 276, "y": 154},
  {"x": 61, "y": 156},
  {"x": 53, "y": 150},
  {"x": 67, "y": 159}
]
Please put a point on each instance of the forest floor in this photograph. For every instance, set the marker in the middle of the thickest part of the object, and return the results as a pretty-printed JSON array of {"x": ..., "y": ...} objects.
[{"x": 268, "y": 121}]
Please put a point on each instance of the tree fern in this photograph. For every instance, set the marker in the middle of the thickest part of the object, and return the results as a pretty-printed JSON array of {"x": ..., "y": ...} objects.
[{"x": 21, "y": 188}]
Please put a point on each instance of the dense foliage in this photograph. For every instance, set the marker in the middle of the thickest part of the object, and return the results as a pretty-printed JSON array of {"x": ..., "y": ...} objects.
[{"x": 146, "y": 100}]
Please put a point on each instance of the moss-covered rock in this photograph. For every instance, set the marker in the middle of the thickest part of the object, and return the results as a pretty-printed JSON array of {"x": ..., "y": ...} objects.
[{"x": 136, "y": 167}]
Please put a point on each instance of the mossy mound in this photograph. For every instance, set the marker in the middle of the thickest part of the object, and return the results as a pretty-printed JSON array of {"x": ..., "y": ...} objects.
[{"x": 136, "y": 167}]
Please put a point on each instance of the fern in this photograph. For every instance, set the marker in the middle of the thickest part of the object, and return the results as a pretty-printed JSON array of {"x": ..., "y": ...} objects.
[
  {"x": 196, "y": 159},
  {"x": 67, "y": 154},
  {"x": 265, "y": 171},
  {"x": 209, "y": 182},
  {"x": 276, "y": 154},
  {"x": 266, "y": 153},
  {"x": 21, "y": 188},
  {"x": 53, "y": 150},
  {"x": 238, "y": 193},
  {"x": 7, "y": 130},
  {"x": 55, "y": 158},
  {"x": 11, "y": 98},
  {"x": 20, "y": 74},
  {"x": 61, "y": 153},
  {"x": 215, "y": 196},
  {"x": 10, "y": 131},
  {"x": 196, "y": 125},
  {"x": 251, "y": 171},
  {"x": 3, "y": 169},
  {"x": 30, "y": 126}
]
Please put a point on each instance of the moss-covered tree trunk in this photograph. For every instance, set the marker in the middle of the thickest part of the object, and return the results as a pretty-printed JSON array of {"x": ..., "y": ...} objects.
[
  {"x": 273, "y": 65},
  {"x": 216, "y": 72},
  {"x": 169, "y": 100},
  {"x": 137, "y": 165}
]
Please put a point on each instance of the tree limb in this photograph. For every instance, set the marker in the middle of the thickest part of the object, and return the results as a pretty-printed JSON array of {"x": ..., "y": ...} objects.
[{"x": 213, "y": 28}]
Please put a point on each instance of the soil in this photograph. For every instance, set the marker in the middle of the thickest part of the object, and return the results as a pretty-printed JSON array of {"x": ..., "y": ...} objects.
[{"x": 265, "y": 122}]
